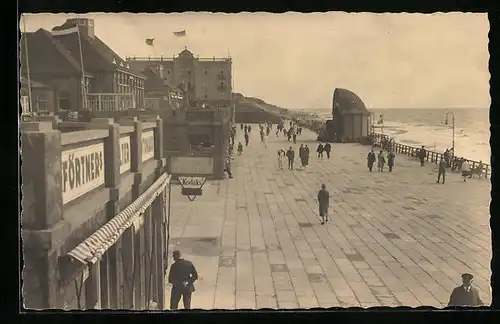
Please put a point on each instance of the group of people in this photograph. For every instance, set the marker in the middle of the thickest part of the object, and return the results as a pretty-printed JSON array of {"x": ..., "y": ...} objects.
[
  {"x": 291, "y": 133},
  {"x": 326, "y": 148},
  {"x": 381, "y": 158}
]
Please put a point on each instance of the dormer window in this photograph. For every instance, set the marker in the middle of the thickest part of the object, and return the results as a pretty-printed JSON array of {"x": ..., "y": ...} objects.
[
  {"x": 121, "y": 64},
  {"x": 114, "y": 61}
]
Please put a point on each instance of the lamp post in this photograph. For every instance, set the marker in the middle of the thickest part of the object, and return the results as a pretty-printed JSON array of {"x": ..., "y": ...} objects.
[{"x": 452, "y": 114}]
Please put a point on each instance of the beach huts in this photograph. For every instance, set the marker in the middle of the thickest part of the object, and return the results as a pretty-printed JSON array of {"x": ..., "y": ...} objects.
[{"x": 351, "y": 120}]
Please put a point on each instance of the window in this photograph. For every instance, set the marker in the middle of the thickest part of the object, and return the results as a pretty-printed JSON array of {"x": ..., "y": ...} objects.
[
  {"x": 189, "y": 72},
  {"x": 63, "y": 99},
  {"x": 221, "y": 72},
  {"x": 41, "y": 103},
  {"x": 206, "y": 96},
  {"x": 206, "y": 71}
]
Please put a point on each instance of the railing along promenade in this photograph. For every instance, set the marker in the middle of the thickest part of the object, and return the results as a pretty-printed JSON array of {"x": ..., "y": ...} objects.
[
  {"x": 93, "y": 214},
  {"x": 384, "y": 141}
]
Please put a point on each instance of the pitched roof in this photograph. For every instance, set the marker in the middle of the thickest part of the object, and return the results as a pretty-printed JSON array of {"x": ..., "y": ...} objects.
[
  {"x": 46, "y": 54},
  {"x": 97, "y": 56},
  {"x": 347, "y": 102}
]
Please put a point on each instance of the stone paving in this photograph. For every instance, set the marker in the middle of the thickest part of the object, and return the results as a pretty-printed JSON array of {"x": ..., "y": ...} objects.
[{"x": 393, "y": 239}]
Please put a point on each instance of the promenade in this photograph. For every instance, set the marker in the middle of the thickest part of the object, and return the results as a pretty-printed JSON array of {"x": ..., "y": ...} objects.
[{"x": 393, "y": 239}]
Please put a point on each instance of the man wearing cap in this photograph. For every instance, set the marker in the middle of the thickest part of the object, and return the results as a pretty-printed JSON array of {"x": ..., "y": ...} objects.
[
  {"x": 182, "y": 276},
  {"x": 465, "y": 295}
]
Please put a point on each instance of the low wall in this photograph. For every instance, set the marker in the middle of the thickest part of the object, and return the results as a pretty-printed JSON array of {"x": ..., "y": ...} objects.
[{"x": 73, "y": 184}]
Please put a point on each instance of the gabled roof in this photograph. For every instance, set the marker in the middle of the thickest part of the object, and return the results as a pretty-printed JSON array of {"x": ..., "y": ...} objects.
[
  {"x": 347, "y": 102},
  {"x": 97, "y": 56},
  {"x": 46, "y": 54}
]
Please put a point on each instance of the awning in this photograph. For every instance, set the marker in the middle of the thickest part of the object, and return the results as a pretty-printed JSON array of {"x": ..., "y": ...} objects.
[{"x": 93, "y": 247}]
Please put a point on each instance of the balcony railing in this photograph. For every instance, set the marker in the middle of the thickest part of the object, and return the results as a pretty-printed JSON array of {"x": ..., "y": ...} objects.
[{"x": 110, "y": 101}]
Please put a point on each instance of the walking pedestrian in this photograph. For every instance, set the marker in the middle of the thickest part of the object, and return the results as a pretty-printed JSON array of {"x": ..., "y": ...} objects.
[
  {"x": 381, "y": 161},
  {"x": 247, "y": 138},
  {"x": 465, "y": 295},
  {"x": 306, "y": 155},
  {"x": 371, "y": 159},
  {"x": 281, "y": 158},
  {"x": 291, "y": 156},
  {"x": 390, "y": 160},
  {"x": 327, "y": 148},
  {"x": 324, "y": 203},
  {"x": 182, "y": 276},
  {"x": 301, "y": 155},
  {"x": 465, "y": 170},
  {"x": 227, "y": 167},
  {"x": 422, "y": 154},
  {"x": 320, "y": 150},
  {"x": 442, "y": 170}
]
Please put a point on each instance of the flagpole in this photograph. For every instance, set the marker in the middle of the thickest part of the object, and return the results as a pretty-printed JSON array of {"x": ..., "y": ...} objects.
[
  {"x": 84, "y": 99},
  {"x": 232, "y": 88},
  {"x": 27, "y": 65}
]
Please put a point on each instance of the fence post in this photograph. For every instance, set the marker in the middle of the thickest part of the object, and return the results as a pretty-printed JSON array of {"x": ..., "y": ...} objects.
[{"x": 110, "y": 274}]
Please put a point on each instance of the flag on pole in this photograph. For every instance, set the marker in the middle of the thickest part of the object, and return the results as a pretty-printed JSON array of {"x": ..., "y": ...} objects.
[
  {"x": 64, "y": 31},
  {"x": 180, "y": 33},
  {"x": 150, "y": 41}
]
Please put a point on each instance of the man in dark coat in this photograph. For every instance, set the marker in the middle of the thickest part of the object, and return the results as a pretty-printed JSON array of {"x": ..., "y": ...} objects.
[
  {"x": 441, "y": 169},
  {"x": 301, "y": 155},
  {"x": 290, "y": 154},
  {"x": 324, "y": 203},
  {"x": 182, "y": 276},
  {"x": 371, "y": 159},
  {"x": 306, "y": 155},
  {"x": 390, "y": 160},
  {"x": 421, "y": 155},
  {"x": 320, "y": 150},
  {"x": 465, "y": 295},
  {"x": 327, "y": 148},
  {"x": 247, "y": 138}
]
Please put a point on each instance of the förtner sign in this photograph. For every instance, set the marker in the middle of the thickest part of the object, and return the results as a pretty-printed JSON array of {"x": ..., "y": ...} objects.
[
  {"x": 124, "y": 154},
  {"x": 82, "y": 169},
  {"x": 148, "y": 145}
]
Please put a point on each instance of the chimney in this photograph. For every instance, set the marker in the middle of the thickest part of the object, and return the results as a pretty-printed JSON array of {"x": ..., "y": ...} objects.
[{"x": 86, "y": 25}]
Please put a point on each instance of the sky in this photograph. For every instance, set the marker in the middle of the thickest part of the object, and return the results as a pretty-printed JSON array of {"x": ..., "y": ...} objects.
[{"x": 296, "y": 60}]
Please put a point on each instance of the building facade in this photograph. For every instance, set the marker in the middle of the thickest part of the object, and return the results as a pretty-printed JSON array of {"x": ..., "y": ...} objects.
[
  {"x": 204, "y": 80},
  {"x": 71, "y": 55}
]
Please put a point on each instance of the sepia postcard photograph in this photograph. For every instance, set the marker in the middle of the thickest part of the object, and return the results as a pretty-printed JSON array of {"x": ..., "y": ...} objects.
[{"x": 253, "y": 161}]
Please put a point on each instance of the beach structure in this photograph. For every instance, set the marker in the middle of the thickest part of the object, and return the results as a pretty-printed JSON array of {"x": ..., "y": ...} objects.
[{"x": 351, "y": 120}]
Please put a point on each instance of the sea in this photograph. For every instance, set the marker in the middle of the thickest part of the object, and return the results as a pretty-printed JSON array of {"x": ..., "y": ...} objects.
[{"x": 417, "y": 127}]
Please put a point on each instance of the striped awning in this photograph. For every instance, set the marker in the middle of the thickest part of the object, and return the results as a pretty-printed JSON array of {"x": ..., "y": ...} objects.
[{"x": 93, "y": 247}]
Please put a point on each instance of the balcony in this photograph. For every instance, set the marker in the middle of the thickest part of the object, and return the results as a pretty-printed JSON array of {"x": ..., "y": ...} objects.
[{"x": 110, "y": 102}]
